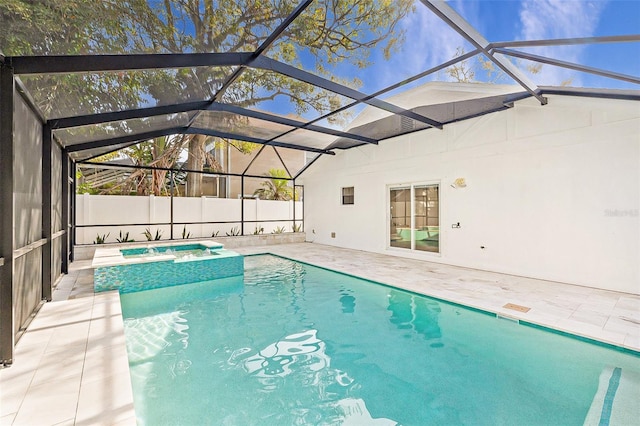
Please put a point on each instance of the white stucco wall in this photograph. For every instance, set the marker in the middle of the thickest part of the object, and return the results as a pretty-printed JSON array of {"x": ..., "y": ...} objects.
[
  {"x": 553, "y": 192},
  {"x": 114, "y": 210}
]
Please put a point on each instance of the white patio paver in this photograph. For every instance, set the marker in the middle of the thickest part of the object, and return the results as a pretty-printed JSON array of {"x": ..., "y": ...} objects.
[{"x": 71, "y": 365}]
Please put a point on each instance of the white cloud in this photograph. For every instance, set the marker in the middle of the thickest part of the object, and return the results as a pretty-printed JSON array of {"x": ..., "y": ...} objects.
[
  {"x": 544, "y": 19},
  {"x": 429, "y": 42}
]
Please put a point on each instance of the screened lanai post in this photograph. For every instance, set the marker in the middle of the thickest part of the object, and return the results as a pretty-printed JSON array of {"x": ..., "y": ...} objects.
[
  {"x": 242, "y": 204},
  {"x": 47, "y": 137},
  {"x": 65, "y": 211},
  {"x": 73, "y": 169},
  {"x": 7, "y": 339},
  {"x": 171, "y": 188}
]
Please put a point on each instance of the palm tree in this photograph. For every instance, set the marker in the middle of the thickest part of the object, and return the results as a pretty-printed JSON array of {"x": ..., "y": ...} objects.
[{"x": 276, "y": 188}]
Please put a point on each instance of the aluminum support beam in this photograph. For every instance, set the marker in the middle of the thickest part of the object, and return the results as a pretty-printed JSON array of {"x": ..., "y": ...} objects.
[
  {"x": 246, "y": 169},
  {"x": 226, "y": 135},
  {"x": 264, "y": 46},
  {"x": 287, "y": 122},
  {"x": 298, "y": 74},
  {"x": 293, "y": 199},
  {"x": 282, "y": 161},
  {"x": 466, "y": 30},
  {"x": 22, "y": 90},
  {"x": 66, "y": 201},
  {"x": 306, "y": 167},
  {"x": 242, "y": 205},
  {"x": 72, "y": 206},
  {"x": 7, "y": 337},
  {"x": 73, "y": 191},
  {"x": 47, "y": 234},
  {"x": 25, "y": 65},
  {"x": 124, "y": 139},
  {"x": 106, "y": 117},
  {"x": 566, "y": 41},
  {"x": 625, "y": 95},
  {"x": 569, "y": 65},
  {"x": 66, "y": 122}
]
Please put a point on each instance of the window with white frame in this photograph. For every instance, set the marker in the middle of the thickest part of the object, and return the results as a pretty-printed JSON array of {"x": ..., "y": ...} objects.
[{"x": 347, "y": 195}]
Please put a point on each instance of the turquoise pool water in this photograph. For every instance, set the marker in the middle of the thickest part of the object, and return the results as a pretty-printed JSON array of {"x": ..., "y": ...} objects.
[
  {"x": 292, "y": 344},
  {"x": 145, "y": 268},
  {"x": 180, "y": 251}
]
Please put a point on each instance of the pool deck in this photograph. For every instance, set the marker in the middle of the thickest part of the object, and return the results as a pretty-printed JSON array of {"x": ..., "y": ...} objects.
[{"x": 71, "y": 364}]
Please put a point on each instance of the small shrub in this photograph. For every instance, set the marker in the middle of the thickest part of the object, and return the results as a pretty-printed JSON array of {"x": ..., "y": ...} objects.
[
  {"x": 234, "y": 232},
  {"x": 278, "y": 230},
  {"x": 185, "y": 234},
  {"x": 150, "y": 237},
  {"x": 215, "y": 233},
  {"x": 297, "y": 228},
  {"x": 258, "y": 231},
  {"x": 124, "y": 238},
  {"x": 101, "y": 239}
]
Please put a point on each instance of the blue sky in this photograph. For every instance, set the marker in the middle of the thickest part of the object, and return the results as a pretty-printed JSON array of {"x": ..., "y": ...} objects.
[
  {"x": 508, "y": 20},
  {"x": 429, "y": 42}
]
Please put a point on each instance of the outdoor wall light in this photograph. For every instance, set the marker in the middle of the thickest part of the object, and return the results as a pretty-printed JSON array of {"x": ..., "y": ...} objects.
[{"x": 459, "y": 183}]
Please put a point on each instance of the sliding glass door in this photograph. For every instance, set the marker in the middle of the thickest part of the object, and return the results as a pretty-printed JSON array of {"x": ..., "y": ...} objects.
[
  {"x": 400, "y": 229},
  {"x": 414, "y": 217}
]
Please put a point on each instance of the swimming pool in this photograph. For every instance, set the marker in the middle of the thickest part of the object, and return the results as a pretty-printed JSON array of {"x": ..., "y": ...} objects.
[{"x": 295, "y": 344}]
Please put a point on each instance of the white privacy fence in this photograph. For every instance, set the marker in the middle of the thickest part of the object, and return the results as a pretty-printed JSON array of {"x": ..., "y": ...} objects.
[{"x": 113, "y": 216}]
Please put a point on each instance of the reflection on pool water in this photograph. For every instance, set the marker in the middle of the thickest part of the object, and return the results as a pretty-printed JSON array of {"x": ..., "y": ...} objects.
[{"x": 295, "y": 344}]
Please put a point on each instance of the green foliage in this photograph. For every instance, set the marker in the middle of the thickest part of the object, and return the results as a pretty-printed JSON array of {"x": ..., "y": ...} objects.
[
  {"x": 278, "y": 230},
  {"x": 185, "y": 234},
  {"x": 84, "y": 187},
  {"x": 215, "y": 233},
  {"x": 258, "y": 230},
  {"x": 124, "y": 238},
  {"x": 297, "y": 228},
  {"x": 329, "y": 32},
  {"x": 101, "y": 239},
  {"x": 150, "y": 237},
  {"x": 235, "y": 231},
  {"x": 276, "y": 188}
]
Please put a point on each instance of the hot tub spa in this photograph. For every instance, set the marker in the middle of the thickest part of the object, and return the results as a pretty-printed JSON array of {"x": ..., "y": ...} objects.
[{"x": 140, "y": 268}]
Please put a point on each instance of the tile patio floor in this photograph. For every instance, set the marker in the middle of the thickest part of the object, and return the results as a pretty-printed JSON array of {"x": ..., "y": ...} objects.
[{"x": 71, "y": 364}]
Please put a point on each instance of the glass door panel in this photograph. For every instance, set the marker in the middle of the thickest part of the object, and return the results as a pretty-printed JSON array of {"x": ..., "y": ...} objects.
[
  {"x": 426, "y": 221},
  {"x": 400, "y": 217}
]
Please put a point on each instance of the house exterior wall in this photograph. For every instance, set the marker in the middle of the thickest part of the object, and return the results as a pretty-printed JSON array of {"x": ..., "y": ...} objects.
[{"x": 553, "y": 192}]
